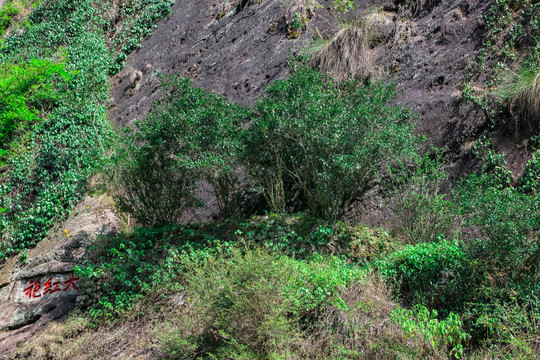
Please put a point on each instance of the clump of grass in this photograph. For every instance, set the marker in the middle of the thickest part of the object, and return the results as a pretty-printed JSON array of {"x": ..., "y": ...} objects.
[
  {"x": 345, "y": 54},
  {"x": 298, "y": 14},
  {"x": 521, "y": 90},
  {"x": 404, "y": 30},
  {"x": 379, "y": 25}
]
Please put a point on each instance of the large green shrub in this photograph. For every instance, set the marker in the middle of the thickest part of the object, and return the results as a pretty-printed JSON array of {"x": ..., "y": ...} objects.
[
  {"x": 191, "y": 136},
  {"x": 153, "y": 184},
  {"x": 325, "y": 141}
]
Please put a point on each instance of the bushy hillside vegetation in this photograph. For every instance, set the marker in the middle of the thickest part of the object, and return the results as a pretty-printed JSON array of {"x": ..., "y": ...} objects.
[
  {"x": 278, "y": 275},
  {"x": 290, "y": 285},
  {"x": 53, "y": 127}
]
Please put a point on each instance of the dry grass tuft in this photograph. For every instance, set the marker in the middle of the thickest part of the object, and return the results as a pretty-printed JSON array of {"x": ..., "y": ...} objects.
[
  {"x": 521, "y": 90},
  {"x": 348, "y": 53},
  {"x": 345, "y": 55},
  {"x": 360, "y": 328},
  {"x": 402, "y": 34},
  {"x": 379, "y": 26}
]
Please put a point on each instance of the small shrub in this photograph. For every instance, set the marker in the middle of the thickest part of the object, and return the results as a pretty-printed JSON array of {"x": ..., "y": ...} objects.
[
  {"x": 298, "y": 14},
  {"x": 530, "y": 179},
  {"x": 421, "y": 273},
  {"x": 422, "y": 211},
  {"x": 302, "y": 236},
  {"x": 421, "y": 322},
  {"x": 153, "y": 184},
  {"x": 508, "y": 222},
  {"x": 343, "y": 6}
]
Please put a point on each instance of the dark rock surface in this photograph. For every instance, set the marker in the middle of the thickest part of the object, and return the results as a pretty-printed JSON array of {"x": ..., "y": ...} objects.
[{"x": 237, "y": 54}]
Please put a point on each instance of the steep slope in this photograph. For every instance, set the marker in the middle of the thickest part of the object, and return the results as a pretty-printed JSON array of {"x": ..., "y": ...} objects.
[
  {"x": 236, "y": 50},
  {"x": 235, "y": 53}
]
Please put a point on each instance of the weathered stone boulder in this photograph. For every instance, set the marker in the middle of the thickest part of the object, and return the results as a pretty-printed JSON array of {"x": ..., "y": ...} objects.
[{"x": 45, "y": 287}]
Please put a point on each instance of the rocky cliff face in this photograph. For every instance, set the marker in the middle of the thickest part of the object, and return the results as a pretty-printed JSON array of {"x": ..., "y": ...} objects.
[{"x": 427, "y": 52}]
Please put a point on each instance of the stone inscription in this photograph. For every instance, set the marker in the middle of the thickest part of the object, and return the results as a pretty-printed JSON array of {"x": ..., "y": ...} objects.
[{"x": 35, "y": 289}]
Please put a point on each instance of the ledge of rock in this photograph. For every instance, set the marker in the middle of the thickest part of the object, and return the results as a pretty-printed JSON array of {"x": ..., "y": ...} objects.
[{"x": 45, "y": 287}]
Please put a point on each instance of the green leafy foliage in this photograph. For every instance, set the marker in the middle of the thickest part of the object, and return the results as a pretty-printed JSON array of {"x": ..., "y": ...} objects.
[
  {"x": 307, "y": 138},
  {"x": 302, "y": 236},
  {"x": 530, "y": 180},
  {"x": 192, "y": 135},
  {"x": 422, "y": 322},
  {"x": 43, "y": 183},
  {"x": 27, "y": 91},
  {"x": 323, "y": 141},
  {"x": 343, "y": 6},
  {"x": 130, "y": 266},
  {"x": 509, "y": 224},
  {"x": 153, "y": 185},
  {"x": 6, "y": 15},
  {"x": 422, "y": 272}
]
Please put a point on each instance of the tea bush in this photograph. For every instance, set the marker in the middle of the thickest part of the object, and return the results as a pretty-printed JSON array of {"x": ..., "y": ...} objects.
[
  {"x": 198, "y": 131},
  {"x": 312, "y": 137}
]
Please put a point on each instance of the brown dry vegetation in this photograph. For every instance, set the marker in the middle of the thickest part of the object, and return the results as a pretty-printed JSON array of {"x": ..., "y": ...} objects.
[
  {"x": 359, "y": 328},
  {"x": 349, "y": 51},
  {"x": 130, "y": 337}
]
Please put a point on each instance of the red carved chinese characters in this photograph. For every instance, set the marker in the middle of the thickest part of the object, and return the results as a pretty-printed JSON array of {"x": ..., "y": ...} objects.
[
  {"x": 32, "y": 290},
  {"x": 34, "y": 287},
  {"x": 47, "y": 287},
  {"x": 71, "y": 282}
]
